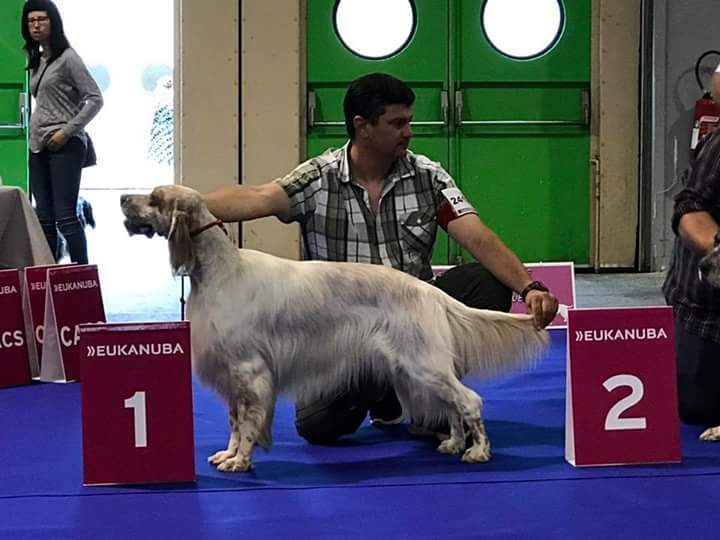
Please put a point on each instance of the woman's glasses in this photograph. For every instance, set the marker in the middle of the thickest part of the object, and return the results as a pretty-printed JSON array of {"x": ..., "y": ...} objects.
[{"x": 37, "y": 20}]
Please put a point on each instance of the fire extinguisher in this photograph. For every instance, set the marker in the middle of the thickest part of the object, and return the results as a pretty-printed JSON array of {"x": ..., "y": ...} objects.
[{"x": 707, "y": 110}]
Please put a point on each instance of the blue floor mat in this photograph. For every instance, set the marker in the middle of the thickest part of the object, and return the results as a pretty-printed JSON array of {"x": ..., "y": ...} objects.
[{"x": 372, "y": 471}]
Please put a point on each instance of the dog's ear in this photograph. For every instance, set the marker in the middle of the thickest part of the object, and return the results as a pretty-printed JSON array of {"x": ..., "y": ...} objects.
[{"x": 182, "y": 258}]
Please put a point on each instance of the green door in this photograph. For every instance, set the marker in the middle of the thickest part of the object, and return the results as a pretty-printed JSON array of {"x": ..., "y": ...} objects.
[
  {"x": 13, "y": 97},
  {"x": 422, "y": 63},
  {"x": 522, "y": 141},
  {"x": 515, "y": 135}
]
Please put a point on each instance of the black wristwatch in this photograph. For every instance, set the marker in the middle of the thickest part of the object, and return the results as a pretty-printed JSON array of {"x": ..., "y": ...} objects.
[{"x": 534, "y": 286}]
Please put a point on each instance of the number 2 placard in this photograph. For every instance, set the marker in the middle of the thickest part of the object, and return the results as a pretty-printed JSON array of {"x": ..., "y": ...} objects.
[{"x": 621, "y": 402}]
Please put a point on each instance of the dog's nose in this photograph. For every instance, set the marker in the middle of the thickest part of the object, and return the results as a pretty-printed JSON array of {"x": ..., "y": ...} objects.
[{"x": 124, "y": 199}]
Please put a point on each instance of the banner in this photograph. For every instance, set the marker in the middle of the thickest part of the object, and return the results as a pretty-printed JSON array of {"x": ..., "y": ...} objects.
[
  {"x": 34, "y": 283},
  {"x": 73, "y": 297},
  {"x": 559, "y": 277},
  {"x": 14, "y": 358},
  {"x": 621, "y": 403},
  {"x": 137, "y": 416}
]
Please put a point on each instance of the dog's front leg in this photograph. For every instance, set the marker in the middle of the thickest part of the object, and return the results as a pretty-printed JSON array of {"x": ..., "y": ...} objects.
[
  {"x": 218, "y": 457},
  {"x": 257, "y": 391}
]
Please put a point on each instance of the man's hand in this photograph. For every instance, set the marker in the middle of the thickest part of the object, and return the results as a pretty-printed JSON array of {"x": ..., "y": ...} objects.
[
  {"x": 542, "y": 306},
  {"x": 57, "y": 141}
]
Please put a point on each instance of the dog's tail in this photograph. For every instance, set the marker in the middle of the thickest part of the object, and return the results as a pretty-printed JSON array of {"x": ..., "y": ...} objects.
[{"x": 492, "y": 342}]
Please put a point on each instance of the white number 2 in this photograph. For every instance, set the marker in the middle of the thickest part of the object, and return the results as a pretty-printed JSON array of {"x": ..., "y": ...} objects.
[
  {"x": 613, "y": 420},
  {"x": 137, "y": 402}
]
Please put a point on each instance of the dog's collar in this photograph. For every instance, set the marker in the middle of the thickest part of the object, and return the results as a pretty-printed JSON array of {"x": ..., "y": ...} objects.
[{"x": 210, "y": 225}]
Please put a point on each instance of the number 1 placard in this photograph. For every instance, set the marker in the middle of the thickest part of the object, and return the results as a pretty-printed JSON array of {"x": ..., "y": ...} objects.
[
  {"x": 621, "y": 402},
  {"x": 137, "y": 403}
]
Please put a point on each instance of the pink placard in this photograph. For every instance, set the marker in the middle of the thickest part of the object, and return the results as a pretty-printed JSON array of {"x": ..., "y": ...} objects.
[
  {"x": 621, "y": 405},
  {"x": 14, "y": 360},
  {"x": 73, "y": 297},
  {"x": 559, "y": 277},
  {"x": 34, "y": 289},
  {"x": 137, "y": 418}
]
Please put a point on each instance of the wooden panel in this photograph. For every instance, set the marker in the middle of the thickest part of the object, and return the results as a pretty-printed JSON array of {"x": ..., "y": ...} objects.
[{"x": 619, "y": 42}]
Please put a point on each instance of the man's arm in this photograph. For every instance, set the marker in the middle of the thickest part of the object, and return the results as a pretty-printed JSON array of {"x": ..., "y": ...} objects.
[
  {"x": 244, "y": 203},
  {"x": 697, "y": 230},
  {"x": 472, "y": 234},
  {"x": 716, "y": 85}
]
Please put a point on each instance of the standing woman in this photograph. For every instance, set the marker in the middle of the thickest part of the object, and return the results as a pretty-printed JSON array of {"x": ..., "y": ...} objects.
[{"x": 66, "y": 99}]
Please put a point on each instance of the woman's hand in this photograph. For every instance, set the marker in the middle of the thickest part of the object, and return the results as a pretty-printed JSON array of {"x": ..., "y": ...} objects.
[{"x": 57, "y": 140}]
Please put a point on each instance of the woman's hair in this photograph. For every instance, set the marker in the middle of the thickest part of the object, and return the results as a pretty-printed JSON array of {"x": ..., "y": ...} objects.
[{"x": 58, "y": 41}]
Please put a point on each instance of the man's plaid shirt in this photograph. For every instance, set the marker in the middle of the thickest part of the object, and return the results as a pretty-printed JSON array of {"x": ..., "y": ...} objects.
[
  {"x": 696, "y": 303},
  {"x": 338, "y": 225}
]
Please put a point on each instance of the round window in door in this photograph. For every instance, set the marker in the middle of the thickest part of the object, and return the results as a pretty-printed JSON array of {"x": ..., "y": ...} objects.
[
  {"x": 375, "y": 29},
  {"x": 523, "y": 29}
]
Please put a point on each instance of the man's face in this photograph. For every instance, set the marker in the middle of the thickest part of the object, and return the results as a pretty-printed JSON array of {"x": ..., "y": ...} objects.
[{"x": 390, "y": 135}]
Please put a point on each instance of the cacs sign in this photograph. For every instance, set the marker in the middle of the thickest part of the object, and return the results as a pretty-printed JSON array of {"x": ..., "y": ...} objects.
[
  {"x": 14, "y": 352},
  {"x": 73, "y": 298}
]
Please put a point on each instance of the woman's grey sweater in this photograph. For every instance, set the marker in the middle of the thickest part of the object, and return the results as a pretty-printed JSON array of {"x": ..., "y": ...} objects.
[{"x": 68, "y": 98}]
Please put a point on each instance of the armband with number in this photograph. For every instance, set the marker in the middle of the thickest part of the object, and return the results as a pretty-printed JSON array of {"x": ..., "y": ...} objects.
[{"x": 453, "y": 206}]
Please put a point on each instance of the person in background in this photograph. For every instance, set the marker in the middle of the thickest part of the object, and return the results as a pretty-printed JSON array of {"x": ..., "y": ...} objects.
[
  {"x": 66, "y": 100},
  {"x": 374, "y": 201},
  {"x": 696, "y": 303}
]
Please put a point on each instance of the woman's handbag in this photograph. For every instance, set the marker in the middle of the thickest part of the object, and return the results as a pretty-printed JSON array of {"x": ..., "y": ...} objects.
[{"x": 90, "y": 156}]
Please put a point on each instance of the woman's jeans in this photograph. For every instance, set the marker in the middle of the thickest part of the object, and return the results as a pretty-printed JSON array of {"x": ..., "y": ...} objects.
[{"x": 55, "y": 184}]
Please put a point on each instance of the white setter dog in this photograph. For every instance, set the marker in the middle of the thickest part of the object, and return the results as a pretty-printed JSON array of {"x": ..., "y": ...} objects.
[{"x": 262, "y": 325}]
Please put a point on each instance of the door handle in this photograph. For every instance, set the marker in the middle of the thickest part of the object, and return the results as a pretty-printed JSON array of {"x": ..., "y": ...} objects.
[
  {"x": 22, "y": 114},
  {"x": 444, "y": 113},
  {"x": 311, "y": 114},
  {"x": 460, "y": 122}
]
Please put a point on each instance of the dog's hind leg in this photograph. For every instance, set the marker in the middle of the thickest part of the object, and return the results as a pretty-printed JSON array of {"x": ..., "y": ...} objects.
[
  {"x": 456, "y": 443},
  {"x": 469, "y": 406},
  {"x": 430, "y": 389},
  {"x": 233, "y": 443},
  {"x": 257, "y": 394}
]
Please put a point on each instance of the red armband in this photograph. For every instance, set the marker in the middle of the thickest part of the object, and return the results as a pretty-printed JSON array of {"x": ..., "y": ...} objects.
[{"x": 452, "y": 207}]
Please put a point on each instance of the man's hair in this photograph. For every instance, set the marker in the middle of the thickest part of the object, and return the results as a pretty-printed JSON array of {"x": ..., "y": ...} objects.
[
  {"x": 58, "y": 41},
  {"x": 370, "y": 94}
]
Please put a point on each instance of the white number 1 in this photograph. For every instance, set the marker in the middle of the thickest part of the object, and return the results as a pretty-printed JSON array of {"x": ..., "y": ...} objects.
[
  {"x": 613, "y": 420},
  {"x": 137, "y": 402}
]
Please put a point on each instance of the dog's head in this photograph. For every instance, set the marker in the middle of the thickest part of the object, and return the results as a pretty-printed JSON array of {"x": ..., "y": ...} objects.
[
  {"x": 710, "y": 265},
  {"x": 171, "y": 212}
]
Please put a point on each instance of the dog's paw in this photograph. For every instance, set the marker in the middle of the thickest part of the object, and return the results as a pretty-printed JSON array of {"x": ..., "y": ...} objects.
[
  {"x": 236, "y": 464},
  {"x": 218, "y": 457},
  {"x": 477, "y": 454},
  {"x": 711, "y": 434},
  {"x": 449, "y": 446}
]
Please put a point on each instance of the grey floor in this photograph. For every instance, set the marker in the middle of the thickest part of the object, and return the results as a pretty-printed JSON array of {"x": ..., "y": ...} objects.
[
  {"x": 138, "y": 285},
  {"x": 619, "y": 290}
]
